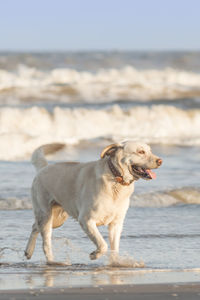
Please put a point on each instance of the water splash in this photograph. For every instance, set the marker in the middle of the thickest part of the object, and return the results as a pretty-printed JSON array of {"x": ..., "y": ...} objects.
[
  {"x": 17, "y": 251},
  {"x": 123, "y": 261}
]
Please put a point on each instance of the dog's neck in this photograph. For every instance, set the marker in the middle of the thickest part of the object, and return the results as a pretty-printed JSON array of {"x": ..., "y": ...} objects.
[{"x": 118, "y": 177}]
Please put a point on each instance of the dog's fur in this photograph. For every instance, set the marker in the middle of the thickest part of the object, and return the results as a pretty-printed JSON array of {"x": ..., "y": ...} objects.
[{"x": 88, "y": 192}]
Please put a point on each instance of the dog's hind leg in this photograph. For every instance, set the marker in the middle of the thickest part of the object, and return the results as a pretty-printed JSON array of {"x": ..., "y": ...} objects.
[
  {"x": 31, "y": 242},
  {"x": 46, "y": 232}
]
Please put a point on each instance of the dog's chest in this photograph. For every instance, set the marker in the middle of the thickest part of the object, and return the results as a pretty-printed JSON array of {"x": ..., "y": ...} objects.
[
  {"x": 108, "y": 210},
  {"x": 112, "y": 204},
  {"x": 104, "y": 220}
]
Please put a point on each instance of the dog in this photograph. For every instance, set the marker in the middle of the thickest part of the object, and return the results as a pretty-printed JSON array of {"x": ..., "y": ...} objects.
[{"x": 94, "y": 193}]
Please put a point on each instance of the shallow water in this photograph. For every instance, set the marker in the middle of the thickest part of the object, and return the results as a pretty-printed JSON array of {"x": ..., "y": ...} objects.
[
  {"x": 164, "y": 242},
  {"x": 163, "y": 238},
  {"x": 160, "y": 240}
]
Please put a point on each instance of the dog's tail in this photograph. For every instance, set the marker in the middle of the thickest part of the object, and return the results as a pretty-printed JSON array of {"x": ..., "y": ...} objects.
[{"x": 38, "y": 157}]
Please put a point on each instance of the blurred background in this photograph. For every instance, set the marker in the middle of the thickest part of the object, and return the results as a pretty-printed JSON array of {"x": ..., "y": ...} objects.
[{"x": 83, "y": 71}]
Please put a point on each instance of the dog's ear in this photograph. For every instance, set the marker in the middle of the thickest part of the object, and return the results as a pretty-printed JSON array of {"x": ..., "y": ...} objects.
[{"x": 109, "y": 150}]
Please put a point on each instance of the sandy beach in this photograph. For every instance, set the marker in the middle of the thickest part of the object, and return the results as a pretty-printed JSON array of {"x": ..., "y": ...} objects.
[{"x": 152, "y": 291}]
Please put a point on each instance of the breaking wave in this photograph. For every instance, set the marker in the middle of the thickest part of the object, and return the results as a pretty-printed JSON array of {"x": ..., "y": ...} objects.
[
  {"x": 187, "y": 195},
  {"x": 69, "y": 85},
  {"x": 22, "y": 130}
]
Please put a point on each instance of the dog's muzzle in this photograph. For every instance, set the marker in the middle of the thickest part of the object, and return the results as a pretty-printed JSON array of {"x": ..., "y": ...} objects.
[{"x": 144, "y": 173}]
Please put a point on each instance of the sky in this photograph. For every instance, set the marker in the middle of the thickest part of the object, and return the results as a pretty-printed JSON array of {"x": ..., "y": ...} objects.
[{"x": 49, "y": 25}]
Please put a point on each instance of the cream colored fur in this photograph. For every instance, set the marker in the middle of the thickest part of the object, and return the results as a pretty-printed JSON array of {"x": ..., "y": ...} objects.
[{"x": 86, "y": 191}]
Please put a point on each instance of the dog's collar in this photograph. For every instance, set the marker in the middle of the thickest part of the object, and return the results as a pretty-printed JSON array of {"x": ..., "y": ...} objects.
[{"x": 118, "y": 177}]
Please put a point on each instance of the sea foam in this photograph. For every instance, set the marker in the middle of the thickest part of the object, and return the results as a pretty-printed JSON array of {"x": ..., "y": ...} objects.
[
  {"x": 69, "y": 85},
  {"x": 22, "y": 130}
]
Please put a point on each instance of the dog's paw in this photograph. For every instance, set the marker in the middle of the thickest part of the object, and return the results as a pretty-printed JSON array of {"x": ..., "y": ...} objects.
[
  {"x": 98, "y": 253},
  {"x": 95, "y": 255},
  {"x": 28, "y": 255}
]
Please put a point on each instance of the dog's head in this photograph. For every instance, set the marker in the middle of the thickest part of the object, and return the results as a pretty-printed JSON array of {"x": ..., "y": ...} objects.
[{"x": 133, "y": 159}]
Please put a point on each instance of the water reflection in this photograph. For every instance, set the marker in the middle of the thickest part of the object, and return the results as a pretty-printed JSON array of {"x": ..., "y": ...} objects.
[{"x": 31, "y": 276}]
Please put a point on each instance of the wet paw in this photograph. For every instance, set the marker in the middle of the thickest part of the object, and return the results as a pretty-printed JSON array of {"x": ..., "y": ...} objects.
[
  {"x": 28, "y": 256},
  {"x": 95, "y": 254},
  {"x": 98, "y": 253}
]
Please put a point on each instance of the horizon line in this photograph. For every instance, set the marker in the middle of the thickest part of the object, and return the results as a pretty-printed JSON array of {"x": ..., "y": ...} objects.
[{"x": 98, "y": 50}]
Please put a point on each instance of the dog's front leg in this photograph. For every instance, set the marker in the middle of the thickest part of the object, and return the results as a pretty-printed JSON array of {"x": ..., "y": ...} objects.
[
  {"x": 90, "y": 228},
  {"x": 115, "y": 229}
]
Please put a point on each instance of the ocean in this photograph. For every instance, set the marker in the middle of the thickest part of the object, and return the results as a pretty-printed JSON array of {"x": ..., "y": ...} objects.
[{"x": 88, "y": 100}]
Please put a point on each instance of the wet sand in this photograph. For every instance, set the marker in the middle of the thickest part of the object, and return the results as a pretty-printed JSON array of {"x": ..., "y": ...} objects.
[
  {"x": 23, "y": 281},
  {"x": 152, "y": 291}
]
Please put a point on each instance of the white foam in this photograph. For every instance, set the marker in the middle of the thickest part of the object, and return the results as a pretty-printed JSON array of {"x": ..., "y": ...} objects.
[
  {"x": 15, "y": 203},
  {"x": 106, "y": 84},
  {"x": 22, "y": 130},
  {"x": 185, "y": 195}
]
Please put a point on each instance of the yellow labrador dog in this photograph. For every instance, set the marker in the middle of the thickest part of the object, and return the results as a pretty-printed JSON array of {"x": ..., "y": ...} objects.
[{"x": 94, "y": 193}]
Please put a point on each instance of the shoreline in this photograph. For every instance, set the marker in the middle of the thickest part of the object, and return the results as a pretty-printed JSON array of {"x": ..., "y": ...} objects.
[
  {"x": 141, "y": 291},
  {"x": 32, "y": 277}
]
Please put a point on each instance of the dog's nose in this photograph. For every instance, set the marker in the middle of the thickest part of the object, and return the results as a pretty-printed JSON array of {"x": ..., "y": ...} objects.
[{"x": 159, "y": 161}]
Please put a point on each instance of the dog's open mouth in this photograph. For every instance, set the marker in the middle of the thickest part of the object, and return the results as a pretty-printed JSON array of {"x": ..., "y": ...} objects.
[{"x": 143, "y": 173}]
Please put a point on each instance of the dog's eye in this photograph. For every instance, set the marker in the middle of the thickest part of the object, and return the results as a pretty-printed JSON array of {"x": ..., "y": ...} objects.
[{"x": 141, "y": 152}]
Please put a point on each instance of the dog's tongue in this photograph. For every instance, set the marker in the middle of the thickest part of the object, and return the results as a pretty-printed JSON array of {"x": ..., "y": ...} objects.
[{"x": 151, "y": 174}]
